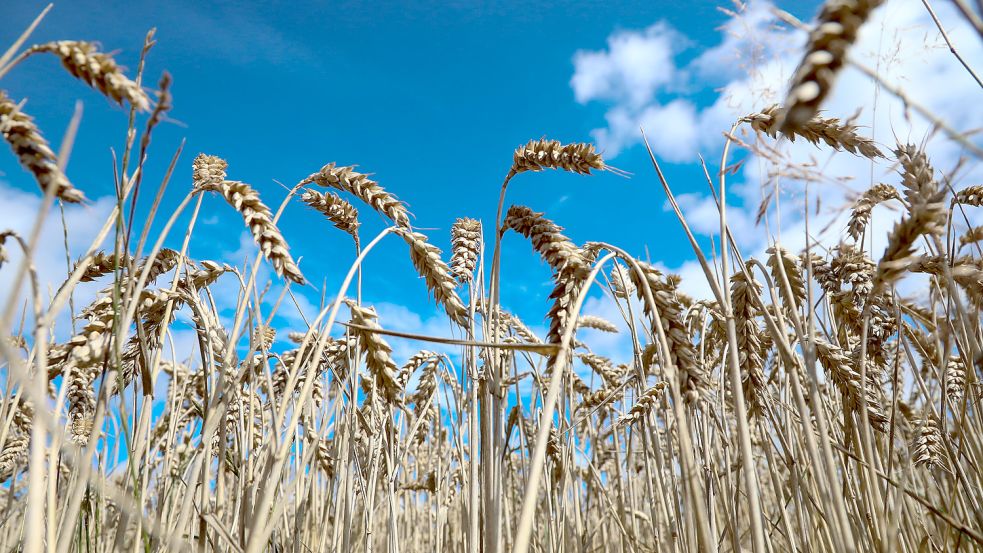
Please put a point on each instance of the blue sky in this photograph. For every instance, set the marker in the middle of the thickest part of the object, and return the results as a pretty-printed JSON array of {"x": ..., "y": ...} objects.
[{"x": 431, "y": 98}]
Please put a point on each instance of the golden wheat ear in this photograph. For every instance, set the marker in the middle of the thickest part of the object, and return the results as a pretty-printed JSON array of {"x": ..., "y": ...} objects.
[
  {"x": 836, "y": 30},
  {"x": 97, "y": 69},
  {"x": 33, "y": 151}
]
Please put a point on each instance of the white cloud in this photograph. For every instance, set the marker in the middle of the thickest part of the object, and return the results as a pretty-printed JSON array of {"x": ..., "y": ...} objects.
[
  {"x": 631, "y": 70},
  {"x": 749, "y": 69}
]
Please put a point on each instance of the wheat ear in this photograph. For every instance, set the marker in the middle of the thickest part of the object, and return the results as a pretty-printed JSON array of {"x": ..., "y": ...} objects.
[
  {"x": 829, "y": 130},
  {"x": 348, "y": 180},
  {"x": 254, "y": 212},
  {"x": 33, "y": 152},
  {"x": 542, "y": 154},
  {"x": 342, "y": 214},
  {"x": 465, "y": 248},
  {"x": 428, "y": 263},
  {"x": 99, "y": 70},
  {"x": 836, "y": 29},
  {"x": 862, "y": 208}
]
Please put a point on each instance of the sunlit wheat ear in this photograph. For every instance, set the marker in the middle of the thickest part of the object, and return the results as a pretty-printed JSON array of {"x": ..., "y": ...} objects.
[
  {"x": 862, "y": 208},
  {"x": 348, "y": 180},
  {"x": 604, "y": 367},
  {"x": 793, "y": 273},
  {"x": 971, "y": 195},
  {"x": 85, "y": 62},
  {"x": 13, "y": 455},
  {"x": 254, "y": 212},
  {"x": 971, "y": 236},
  {"x": 847, "y": 378},
  {"x": 414, "y": 363},
  {"x": 923, "y": 219},
  {"x": 102, "y": 263},
  {"x": 644, "y": 405},
  {"x": 342, "y": 214},
  {"x": 208, "y": 172},
  {"x": 596, "y": 323},
  {"x": 693, "y": 378},
  {"x": 33, "y": 152},
  {"x": 428, "y": 263},
  {"x": 926, "y": 446},
  {"x": 835, "y": 31},
  {"x": 955, "y": 377},
  {"x": 743, "y": 291},
  {"x": 620, "y": 282},
  {"x": 546, "y": 236},
  {"x": 551, "y": 154},
  {"x": 828, "y": 130},
  {"x": 378, "y": 353},
  {"x": 465, "y": 248},
  {"x": 917, "y": 175}
]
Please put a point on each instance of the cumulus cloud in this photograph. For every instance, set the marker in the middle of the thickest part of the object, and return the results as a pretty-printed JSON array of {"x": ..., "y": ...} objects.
[{"x": 749, "y": 69}]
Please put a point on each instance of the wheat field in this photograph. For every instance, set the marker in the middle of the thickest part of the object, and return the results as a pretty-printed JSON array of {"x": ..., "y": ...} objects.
[{"x": 806, "y": 404}]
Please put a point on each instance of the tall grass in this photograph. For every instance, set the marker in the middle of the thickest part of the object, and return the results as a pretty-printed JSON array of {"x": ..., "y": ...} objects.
[{"x": 805, "y": 405}]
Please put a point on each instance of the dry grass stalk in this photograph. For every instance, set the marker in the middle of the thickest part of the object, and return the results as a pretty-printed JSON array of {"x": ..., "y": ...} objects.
[
  {"x": 33, "y": 152},
  {"x": 86, "y": 63},
  {"x": 836, "y": 29},
  {"x": 815, "y": 129}
]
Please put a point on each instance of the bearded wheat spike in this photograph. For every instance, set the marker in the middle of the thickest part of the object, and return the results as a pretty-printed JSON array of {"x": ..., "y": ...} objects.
[
  {"x": 644, "y": 405},
  {"x": 742, "y": 289},
  {"x": 829, "y": 130},
  {"x": 671, "y": 313},
  {"x": 208, "y": 172},
  {"x": 793, "y": 273},
  {"x": 378, "y": 353},
  {"x": 99, "y": 70},
  {"x": 465, "y": 248},
  {"x": 348, "y": 180},
  {"x": 955, "y": 375},
  {"x": 413, "y": 364},
  {"x": 847, "y": 379},
  {"x": 836, "y": 29},
  {"x": 862, "y": 208},
  {"x": 33, "y": 152},
  {"x": 342, "y": 214},
  {"x": 604, "y": 367},
  {"x": 13, "y": 455},
  {"x": 971, "y": 195},
  {"x": 428, "y": 263},
  {"x": 917, "y": 175},
  {"x": 926, "y": 446},
  {"x": 102, "y": 263},
  {"x": 257, "y": 216},
  {"x": 542, "y": 154},
  {"x": 546, "y": 236},
  {"x": 596, "y": 323},
  {"x": 620, "y": 282},
  {"x": 923, "y": 219},
  {"x": 971, "y": 236}
]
